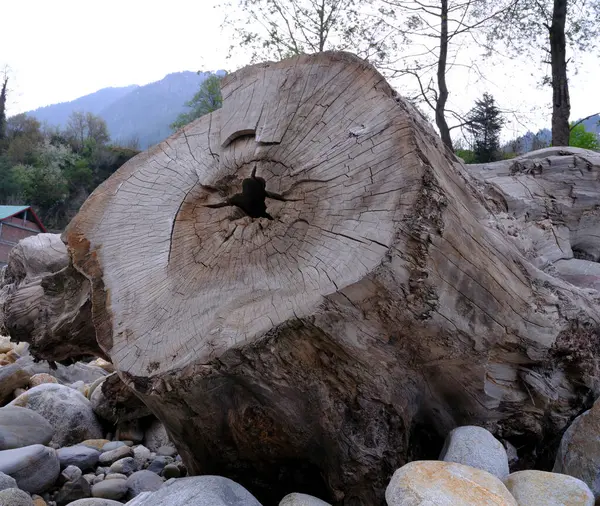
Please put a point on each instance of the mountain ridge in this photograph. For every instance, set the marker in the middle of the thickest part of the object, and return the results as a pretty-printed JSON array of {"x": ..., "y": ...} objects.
[{"x": 134, "y": 112}]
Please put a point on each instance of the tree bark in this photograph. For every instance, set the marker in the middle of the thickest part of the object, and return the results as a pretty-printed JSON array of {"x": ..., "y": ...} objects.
[
  {"x": 46, "y": 302},
  {"x": 561, "y": 105},
  {"x": 386, "y": 302},
  {"x": 442, "y": 98}
]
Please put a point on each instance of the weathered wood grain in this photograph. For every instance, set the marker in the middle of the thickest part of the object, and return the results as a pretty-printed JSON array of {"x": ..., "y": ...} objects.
[{"x": 393, "y": 297}]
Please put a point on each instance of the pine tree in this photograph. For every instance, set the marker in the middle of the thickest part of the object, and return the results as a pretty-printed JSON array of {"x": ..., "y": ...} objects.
[
  {"x": 3, "y": 108},
  {"x": 484, "y": 124}
]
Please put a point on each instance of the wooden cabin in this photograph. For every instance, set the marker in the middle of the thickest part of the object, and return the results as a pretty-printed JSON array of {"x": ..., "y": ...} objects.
[{"x": 16, "y": 223}]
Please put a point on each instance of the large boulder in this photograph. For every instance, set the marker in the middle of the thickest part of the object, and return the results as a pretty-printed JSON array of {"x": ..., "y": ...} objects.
[
  {"x": 476, "y": 447},
  {"x": 68, "y": 411},
  {"x": 435, "y": 482},
  {"x": 539, "y": 488},
  {"x": 579, "y": 451},
  {"x": 23, "y": 427},
  {"x": 35, "y": 468},
  {"x": 199, "y": 491}
]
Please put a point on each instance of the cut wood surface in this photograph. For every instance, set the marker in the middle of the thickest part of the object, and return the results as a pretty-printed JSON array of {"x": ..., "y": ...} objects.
[{"x": 392, "y": 297}]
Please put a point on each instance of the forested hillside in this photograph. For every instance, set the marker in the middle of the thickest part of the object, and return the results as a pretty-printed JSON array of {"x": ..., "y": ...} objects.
[{"x": 55, "y": 169}]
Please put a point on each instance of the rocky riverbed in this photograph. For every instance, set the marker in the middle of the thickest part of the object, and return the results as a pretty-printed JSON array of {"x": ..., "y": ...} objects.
[{"x": 75, "y": 436}]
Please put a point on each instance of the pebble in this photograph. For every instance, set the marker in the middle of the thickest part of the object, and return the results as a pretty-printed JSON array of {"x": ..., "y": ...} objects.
[
  {"x": 141, "y": 455},
  {"x": 96, "y": 444},
  {"x": 38, "y": 501},
  {"x": 115, "y": 476},
  {"x": 124, "y": 466},
  {"x": 171, "y": 471},
  {"x": 70, "y": 473},
  {"x": 158, "y": 464},
  {"x": 23, "y": 427},
  {"x": 113, "y": 445},
  {"x": 110, "y": 489},
  {"x": 81, "y": 456},
  {"x": 15, "y": 497},
  {"x": 73, "y": 490},
  {"x": 476, "y": 447},
  {"x": 35, "y": 467},
  {"x": 40, "y": 378},
  {"x": 100, "y": 362},
  {"x": 111, "y": 456},
  {"x": 5, "y": 344},
  {"x": 89, "y": 477}
]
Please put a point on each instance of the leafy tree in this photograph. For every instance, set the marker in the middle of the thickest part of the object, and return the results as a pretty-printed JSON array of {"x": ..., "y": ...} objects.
[
  {"x": 42, "y": 187},
  {"x": 581, "y": 138},
  {"x": 9, "y": 187},
  {"x": 485, "y": 124},
  {"x": 467, "y": 155},
  {"x": 556, "y": 26},
  {"x": 75, "y": 131},
  {"x": 22, "y": 125},
  {"x": 436, "y": 32},
  {"x": 78, "y": 175},
  {"x": 82, "y": 127},
  {"x": 97, "y": 130},
  {"x": 22, "y": 136},
  {"x": 206, "y": 100},
  {"x": 277, "y": 29}
]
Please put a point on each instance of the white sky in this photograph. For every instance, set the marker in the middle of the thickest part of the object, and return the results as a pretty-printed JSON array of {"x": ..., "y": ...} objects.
[{"x": 59, "y": 50}]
